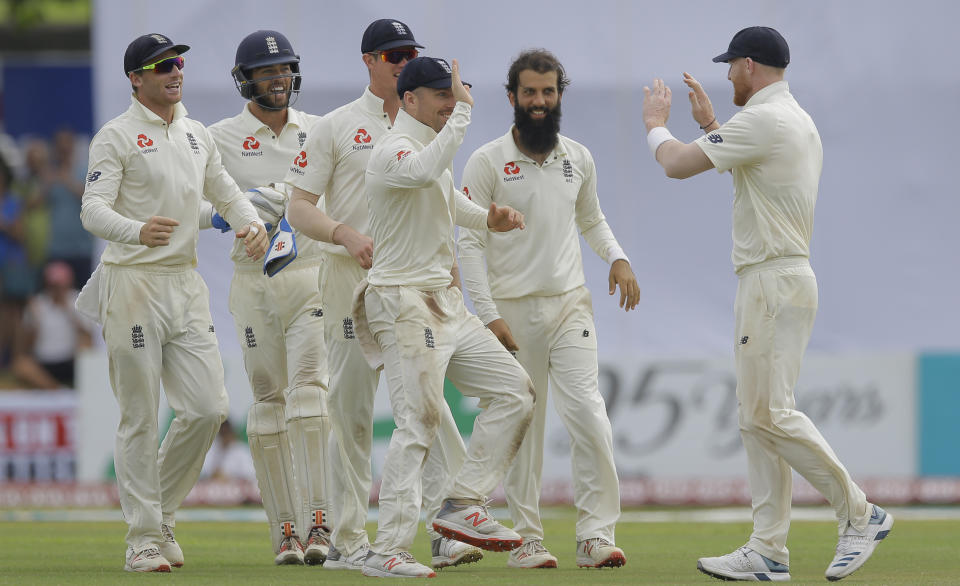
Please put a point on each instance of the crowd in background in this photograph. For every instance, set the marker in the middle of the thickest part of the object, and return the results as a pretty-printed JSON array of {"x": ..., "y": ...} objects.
[{"x": 45, "y": 257}]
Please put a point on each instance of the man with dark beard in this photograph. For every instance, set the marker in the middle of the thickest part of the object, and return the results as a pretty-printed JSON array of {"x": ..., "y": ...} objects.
[{"x": 531, "y": 295}]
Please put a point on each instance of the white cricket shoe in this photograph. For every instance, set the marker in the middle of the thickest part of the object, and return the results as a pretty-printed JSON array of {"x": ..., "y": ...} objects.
[
  {"x": 291, "y": 552},
  {"x": 318, "y": 546},
  {"x": 147, "y": 559},
  {"x": 854, "y": 548},
  {"x": 448, "y": 552},
  {"x": 744, "y": 564},
  {"x": 599, "y": 553},
  {"x": 474, "y": 525},
  {"x": 531, "y": 554},
  {"x": 337, "y": 561},
  {"x": 398, "y": 565},
  {"x": 169, "y": 548}
]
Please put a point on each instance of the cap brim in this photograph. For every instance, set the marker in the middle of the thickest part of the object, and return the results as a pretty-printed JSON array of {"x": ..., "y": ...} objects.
[
  {"x": 397, "y": 43},
  {"x": 725, "y": 57},
  {"x": 180, "y": 49}
]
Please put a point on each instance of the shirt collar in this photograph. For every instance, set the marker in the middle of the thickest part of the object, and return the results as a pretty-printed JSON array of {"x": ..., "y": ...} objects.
[
  {"x": 179, "y": 111},
  {"x": 511, "y": 152},
  {"x": 254, "y": 124},
  {"x": 407, "y": 124},
  {"x": 768, "y": 93}
]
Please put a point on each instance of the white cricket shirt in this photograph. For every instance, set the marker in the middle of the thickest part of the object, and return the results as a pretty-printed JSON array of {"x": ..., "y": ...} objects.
[
  {"x": 334, "y": 161},
  {"x": 255, "y": 156},
  {"x": 559, "y": 201},
  {"x": 414, "y": 205},
  {"x": 141, "y": 167},
  {"x": 773, "y": 150}
]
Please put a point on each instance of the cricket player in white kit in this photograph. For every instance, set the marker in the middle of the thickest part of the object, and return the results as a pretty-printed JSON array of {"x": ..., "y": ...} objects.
[
  {"x": 333, "y": 163},
  {"x": 411, "y": 318},
  {"x": 528, "y": 287},
  {"x": 148, "y": 170},
  {"x": 773, "y": 150},
  {"x": 279, "y": 319}
]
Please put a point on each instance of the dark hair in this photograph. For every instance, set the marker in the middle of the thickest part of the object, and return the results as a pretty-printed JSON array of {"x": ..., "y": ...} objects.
[{"x": 539, "y": 60}]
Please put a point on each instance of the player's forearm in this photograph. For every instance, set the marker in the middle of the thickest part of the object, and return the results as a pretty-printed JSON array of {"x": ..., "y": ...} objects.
[
  {"x": 680, "y": 160},
  {"x": 310, "y": 221},
  {"x": 423, "y": 167},
  {"x": 473, "y": 273},
  {"x": 601, "y": 240},
  {"x": 103, "y": 221},
  {"x": 467, "y": 214}
]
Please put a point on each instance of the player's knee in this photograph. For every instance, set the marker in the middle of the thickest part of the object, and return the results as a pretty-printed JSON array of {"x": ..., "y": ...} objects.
[
  {"x": 265, "y": 418},
  {"x": 305, "y": 401}
]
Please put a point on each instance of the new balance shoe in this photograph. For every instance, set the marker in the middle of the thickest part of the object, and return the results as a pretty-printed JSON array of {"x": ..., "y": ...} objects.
[
  {"x": 474, "y": 525},
  {"x": 336, "y": 560},
  {"x": 398, "y": 565},
  {"x": 531, "y": 554},
  {"x": 147, "y": 559},
  {"x": 448, "y": 552},
  {"x": 599, "y": 553},
  {"x": 744, "y": 564},
  {"x": 318, "y": 546},
  {"x": 169, "y": 548},
  {"x": 291, "y": 552},
  {"x": 854, "y": 548}
]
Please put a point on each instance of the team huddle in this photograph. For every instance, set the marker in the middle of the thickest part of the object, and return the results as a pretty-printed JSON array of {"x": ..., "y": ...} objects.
[{"x": 346, "y": 268}]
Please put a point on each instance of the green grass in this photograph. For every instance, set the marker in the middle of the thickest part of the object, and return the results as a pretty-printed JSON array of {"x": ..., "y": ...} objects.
[{"x": 917, "y": 552}]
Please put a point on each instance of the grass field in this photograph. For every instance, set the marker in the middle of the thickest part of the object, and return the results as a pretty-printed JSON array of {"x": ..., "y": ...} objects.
[{"x": 917, "y": 552}]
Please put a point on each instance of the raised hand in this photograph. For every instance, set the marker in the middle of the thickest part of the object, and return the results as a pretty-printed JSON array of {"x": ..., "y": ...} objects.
[
  {"x": 700, "y": 105},
  {"x": 460, "y": 91},
  {"x": 157, "y": 231},
  {"x": 504, "y": 219},
  {"x": 656, "y": 104}
]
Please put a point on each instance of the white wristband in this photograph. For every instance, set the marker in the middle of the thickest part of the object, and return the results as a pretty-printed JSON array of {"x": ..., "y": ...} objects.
[
  {"x": 254, "y": 230},
  {"x": 656, "y": 137}
]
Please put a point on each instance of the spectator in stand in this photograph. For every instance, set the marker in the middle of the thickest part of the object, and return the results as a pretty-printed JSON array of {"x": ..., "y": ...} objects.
[
  {"x": 68, "y": 240},
  {"x": 53, "y": 332},
  {"x": 228, "y": 458},
  {"x": 15, "y": 280}
]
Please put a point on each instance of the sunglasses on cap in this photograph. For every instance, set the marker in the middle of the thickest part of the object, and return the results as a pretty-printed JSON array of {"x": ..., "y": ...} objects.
[
  {"x": 397, "y": 56},
  {"x": 166, "y": 65}
]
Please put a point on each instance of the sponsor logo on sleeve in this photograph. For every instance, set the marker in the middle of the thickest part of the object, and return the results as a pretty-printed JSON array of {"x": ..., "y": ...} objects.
[
  {"x": 714, "y": 138},
  {"x": 93, "y": 176},
  {"x": 402, "y": 155},
  {"x": 466, "y": 192}
]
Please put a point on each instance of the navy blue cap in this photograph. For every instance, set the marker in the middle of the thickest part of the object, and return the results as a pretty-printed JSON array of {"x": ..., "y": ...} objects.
[
  {"x": 425, "y": 72},
  {"x": 387, "y": 33},
  {"x": 760, "y": 43},
  {"x": 145, "y": 48}
]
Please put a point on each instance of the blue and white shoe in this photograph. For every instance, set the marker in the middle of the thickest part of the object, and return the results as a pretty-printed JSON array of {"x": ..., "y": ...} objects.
[
  {"x": 744, "y": 564},
  {"x": 854, "y": 548}
]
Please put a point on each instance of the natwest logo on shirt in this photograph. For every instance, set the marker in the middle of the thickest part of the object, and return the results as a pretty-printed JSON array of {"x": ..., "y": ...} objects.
[
  {"x": 250, "y": 143},
  {"x": 466, "y": 192},
  {"x": 362, "y": 137},
  {"x": 143, "y": 141},
  {"x": 299, "y": 162},
  {"x": 402, "y": 154},
  {"x": 512, "y": 172}
]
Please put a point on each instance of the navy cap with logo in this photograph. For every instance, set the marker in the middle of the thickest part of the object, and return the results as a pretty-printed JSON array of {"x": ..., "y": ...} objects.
[
  {"x": 387, "y": 33},
  {"x": 430, "y": 72},
  {"x": 760, "y": 43},
  {"x": 145, "y": 48}
]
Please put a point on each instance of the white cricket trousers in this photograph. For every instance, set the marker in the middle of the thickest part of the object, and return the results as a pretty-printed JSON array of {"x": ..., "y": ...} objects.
[
  {"x": 558, "y": 344},
  {"x": 353, "y": 388},
  {"x": 422, "y": 335},
  {"x": 279, "y": 323},
  {"x": 158, "y": 331},
  {"x": 774, "y": 313}
]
